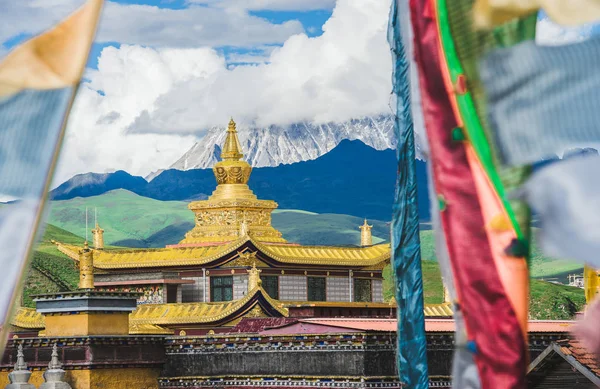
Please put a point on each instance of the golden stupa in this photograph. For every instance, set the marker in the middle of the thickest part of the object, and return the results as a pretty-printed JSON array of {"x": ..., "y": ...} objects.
[{"x": 233, "y": 210}]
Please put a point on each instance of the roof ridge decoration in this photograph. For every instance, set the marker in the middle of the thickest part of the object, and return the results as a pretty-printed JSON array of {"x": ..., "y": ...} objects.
[{"x": 150, "y": 318}]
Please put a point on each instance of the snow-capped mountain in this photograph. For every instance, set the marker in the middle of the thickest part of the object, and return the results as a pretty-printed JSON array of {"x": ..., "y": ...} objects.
[{"x": 275, "y": 145}]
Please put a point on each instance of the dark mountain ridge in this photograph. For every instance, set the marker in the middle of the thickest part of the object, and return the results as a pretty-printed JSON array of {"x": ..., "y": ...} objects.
[{"x": 352, "y": 179}]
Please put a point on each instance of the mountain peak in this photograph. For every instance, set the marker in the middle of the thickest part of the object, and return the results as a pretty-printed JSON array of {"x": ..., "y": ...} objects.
[
  {"x": 91, "y": 184},
  {"x": 276, "y": 145}
]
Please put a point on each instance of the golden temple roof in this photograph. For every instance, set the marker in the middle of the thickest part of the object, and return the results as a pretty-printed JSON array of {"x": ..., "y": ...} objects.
[
  {"x": 357, "y": 257},
  {"x": 153, "y": 318},
  {"x": 199, "y": 313},
  {"x": 149, "y": 318},
  {"x": 30, "y": 319},
  {"x": 438, "y": 310}
]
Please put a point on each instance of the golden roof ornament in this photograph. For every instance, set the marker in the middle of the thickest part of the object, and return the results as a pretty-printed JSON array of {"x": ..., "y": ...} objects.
[
  {"x": 232, "y": 150},
  {"x": 366, "y": 238},
  {"x": 86, "y": 267},
  {"x": 221, "y": 218},
  {"x": 254, "y": 280},
  {"x": 244, "y": 228},
  {"x": 98, "y": 237}
]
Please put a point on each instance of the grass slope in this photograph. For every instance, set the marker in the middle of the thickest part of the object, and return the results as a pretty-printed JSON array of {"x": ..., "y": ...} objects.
[
  {"x": 123, "y": 215},
  {"x": 51, "y": 271}
]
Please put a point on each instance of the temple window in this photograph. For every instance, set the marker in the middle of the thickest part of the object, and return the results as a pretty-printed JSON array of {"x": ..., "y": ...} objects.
[
  {"x": 316, "y": 288},
  {"x": 271, "y": 286},
  {"x": 171, "y": 293},
  {"x": 221, "y": 288},
  {"x": 362, "y": 290}
]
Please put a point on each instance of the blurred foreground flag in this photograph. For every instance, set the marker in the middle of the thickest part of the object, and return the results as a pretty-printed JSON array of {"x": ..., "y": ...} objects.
[
  {"x": 542, "y": 100},
  {"x": 565, "y": 197},
  {"x": 38, "y": 83},
  {"x": 491, "y": 13}
]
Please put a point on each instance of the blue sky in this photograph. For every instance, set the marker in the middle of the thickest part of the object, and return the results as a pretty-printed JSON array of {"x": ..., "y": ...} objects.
[
  {"x": 163, "y": 72},
  {"x": 311, "y": 20}
]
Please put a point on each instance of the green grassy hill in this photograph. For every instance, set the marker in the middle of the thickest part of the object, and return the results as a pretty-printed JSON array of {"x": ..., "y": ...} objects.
[
  {"x": 124, "y": 216},
  {"x": 135, "y": 221},
  {"x": 51, "y": 271}
]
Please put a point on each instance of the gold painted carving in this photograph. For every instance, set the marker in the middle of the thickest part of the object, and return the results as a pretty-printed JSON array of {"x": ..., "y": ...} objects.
[
  {"x": 256, "y": 312},
  {"x": 247, "y": 258}
]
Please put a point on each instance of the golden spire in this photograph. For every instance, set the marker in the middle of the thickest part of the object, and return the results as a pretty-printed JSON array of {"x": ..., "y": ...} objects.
[
  {"x": 232, "y": 150},
  {"x": 233, "y": 200},
  {"x": 86, "y": 268},
  {"x": 254, "y": 280},
  {"x": 366, "y": 238}
]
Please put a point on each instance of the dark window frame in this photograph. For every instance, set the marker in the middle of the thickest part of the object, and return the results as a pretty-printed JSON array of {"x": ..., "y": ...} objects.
[
  {"x": 309, "y": 296},
  {"x": 266, "y": 286},
  {"x": 220, "y": 292},
  {"x": 356, "y": 295}
]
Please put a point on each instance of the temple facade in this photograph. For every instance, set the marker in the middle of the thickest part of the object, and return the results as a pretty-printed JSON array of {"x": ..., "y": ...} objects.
[
  {"x": 233, "y": 232},
  {"x": 235, "y": 264}
]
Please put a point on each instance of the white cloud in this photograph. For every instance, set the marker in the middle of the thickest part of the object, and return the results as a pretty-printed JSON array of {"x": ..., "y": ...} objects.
[
  {"x": 341, "y": 74},
  {"x": 271, "y": 5},
  {"x": 131, "y": 79},
  {"x": 150, "y": 96},
  {"x": 195, "y": 26}
]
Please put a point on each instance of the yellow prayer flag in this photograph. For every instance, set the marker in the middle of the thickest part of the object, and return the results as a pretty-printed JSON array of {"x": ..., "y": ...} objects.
[
  {"x": 54, "y": 59},
  {"x": 491, "y": 13}
]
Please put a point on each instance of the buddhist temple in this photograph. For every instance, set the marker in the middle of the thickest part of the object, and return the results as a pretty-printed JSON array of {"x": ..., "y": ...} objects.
[
  {"x": 234, "y": 289},
  {"x": 235, "y": 264}
]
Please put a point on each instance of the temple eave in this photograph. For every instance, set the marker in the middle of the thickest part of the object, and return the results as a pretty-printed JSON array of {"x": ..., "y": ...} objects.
[{"x": 278, "y": 255}]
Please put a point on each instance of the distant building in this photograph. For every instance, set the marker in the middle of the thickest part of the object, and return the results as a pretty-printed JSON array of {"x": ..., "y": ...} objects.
[{"x": 564, "y": 364}]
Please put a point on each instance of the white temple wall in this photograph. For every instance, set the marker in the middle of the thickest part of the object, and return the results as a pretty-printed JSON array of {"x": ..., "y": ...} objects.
[
  {"x": 292, "y": 288},
  {"x": 240, "y": 286},
  {"x": 377, "y": 286},
  {"x": 192, "y": 293},
  {"x": 338, "y": 289}
]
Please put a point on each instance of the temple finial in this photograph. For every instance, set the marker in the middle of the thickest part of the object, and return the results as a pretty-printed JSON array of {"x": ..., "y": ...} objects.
[
  {"x": 86, "y": 268},
  {"x": 232, "y": 150},
  {"x": 98, "y": 237},
  {"x": 19, "y": 377},
  {"x": 366, "y": 238}
]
